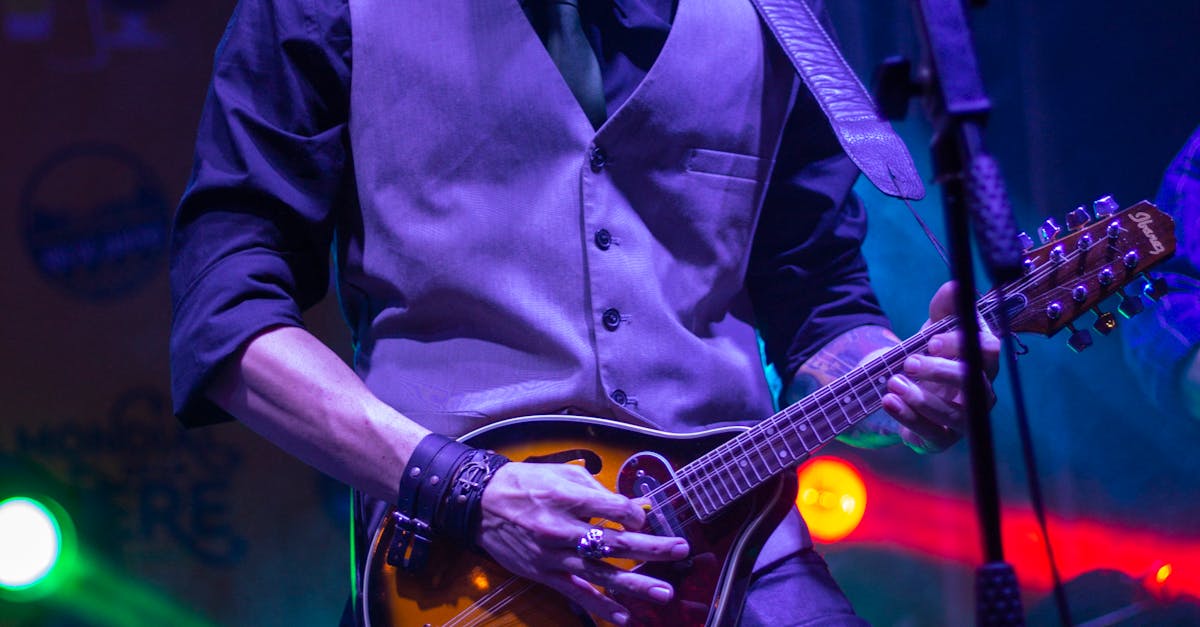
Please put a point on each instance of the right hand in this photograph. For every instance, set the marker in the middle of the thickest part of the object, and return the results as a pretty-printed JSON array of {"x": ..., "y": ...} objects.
[{"x": 533, "y": 517}]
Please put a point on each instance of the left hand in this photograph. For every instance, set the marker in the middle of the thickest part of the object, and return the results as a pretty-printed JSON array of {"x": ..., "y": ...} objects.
[{"x": 929, "y": 398}]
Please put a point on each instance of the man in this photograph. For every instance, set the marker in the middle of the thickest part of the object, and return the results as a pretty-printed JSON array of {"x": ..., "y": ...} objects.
[
  {"x": 1162, "y": 343},
  {"x": 520, "y": 229}
]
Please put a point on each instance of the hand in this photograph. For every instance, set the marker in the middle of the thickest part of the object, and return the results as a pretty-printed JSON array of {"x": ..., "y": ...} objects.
[
  {"x": 533, "y": 517},
  {"x": 928, "y": 399}
]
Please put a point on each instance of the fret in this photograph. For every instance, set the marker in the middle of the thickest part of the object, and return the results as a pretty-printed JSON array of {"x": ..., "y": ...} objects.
[
  {"x": 768, "y": 465},
  {"x": 824, "y": 429},
  {"x": 843, "y": 398},
  {"x": 721, "y": 476},
  {"x": 738, "y": 460},
  {"x": 772, "y": 430},
  {"x": 866, "y": 381},
  {"x": 681, "y": 484},
  {"x": 745, "y": 461},
  {"x": 704, "y": 496},
  {"x": 879, "y": 379},
  {"x": 692, "y": 493},
  {"x": 802, "y": 427},
  {"x": 709, "y": 472}
]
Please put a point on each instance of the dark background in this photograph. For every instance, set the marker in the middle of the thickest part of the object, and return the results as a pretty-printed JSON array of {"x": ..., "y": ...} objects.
[{"x": 214, "y": 526}]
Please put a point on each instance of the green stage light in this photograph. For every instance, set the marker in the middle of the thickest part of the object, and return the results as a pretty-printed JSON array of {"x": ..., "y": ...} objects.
[{"x": 31, "y": 543}]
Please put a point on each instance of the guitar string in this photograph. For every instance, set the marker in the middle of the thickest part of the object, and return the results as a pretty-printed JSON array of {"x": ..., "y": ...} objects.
[
  {"x": 481, "y": 607},
  {"x": 488, "y": 614},
  {"x": 704, "y": 469},
  {"x": 988, "y": 304},
  {"x": 701, "y": 471},
  {"x": 699, "y": 474}
]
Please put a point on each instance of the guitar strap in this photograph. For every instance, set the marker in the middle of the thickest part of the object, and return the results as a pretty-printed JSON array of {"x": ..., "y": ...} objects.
[{"x": 868, "y": 140}]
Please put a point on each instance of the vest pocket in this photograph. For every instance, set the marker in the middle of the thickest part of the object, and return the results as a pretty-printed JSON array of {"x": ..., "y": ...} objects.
[{"x": 731, "y": 164}]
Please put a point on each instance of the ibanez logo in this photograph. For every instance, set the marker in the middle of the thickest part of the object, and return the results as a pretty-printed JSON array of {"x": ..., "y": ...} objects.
[{"x": 1144, "y": 221}]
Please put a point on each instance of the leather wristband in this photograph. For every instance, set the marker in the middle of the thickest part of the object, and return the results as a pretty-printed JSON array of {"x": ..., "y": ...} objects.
[
  {"x": 461, "y": 512},
  {"x": 419, "y": 494},
  {"x": 441, "y": 488}
]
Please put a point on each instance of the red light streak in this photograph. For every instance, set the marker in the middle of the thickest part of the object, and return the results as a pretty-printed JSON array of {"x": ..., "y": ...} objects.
[{"x": 915, "y": 519}]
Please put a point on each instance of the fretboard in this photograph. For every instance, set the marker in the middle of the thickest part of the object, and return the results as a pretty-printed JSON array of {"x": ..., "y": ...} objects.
[{"x": 787, "y": 438}]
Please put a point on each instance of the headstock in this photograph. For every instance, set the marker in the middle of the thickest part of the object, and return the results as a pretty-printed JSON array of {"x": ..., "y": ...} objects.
[{"x": 1094, "y": 259}]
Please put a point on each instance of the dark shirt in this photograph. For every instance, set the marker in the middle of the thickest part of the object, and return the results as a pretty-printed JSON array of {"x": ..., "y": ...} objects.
[
  {"x": 1161, "y": 341},
  {"x": 281, "y": 84}
]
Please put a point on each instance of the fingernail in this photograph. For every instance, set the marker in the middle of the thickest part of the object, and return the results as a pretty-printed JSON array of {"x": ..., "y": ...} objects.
[
  {"x": 680, "y": 551},
  {"x": 620, "y": 618},
  {"x": 935, "y": 346},
  {"x": 660, "y": 594},
  {"x": 912, "y": 364},
  {"x": 898, "y": 384}
]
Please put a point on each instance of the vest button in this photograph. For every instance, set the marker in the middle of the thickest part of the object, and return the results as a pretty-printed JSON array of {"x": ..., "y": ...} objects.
[
  {"x": 603, "y": 239},
  {"x": 611, "y": 319},
  {"x": 597, "y": 159},
  {"x": 619, "y": 397}
]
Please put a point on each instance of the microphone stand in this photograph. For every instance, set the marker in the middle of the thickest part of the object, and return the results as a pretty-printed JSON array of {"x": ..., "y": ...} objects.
[{"x": 973, "y": 193}]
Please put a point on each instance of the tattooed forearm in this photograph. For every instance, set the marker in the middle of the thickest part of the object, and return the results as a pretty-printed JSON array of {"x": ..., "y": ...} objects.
[
  {"x": 845, "y": 352},
  {"x": 836, "y": 359}
]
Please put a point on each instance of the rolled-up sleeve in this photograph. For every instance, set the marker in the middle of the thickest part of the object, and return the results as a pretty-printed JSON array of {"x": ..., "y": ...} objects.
[
  {"x": 251, "y": 238},
  {"x": 807, "y": 277}
]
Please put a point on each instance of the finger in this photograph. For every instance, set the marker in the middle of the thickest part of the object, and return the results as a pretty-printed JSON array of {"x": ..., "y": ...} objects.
[
  {"x": 589, "y": 598},
  {"x": 619, "y": 581},
  {"x": 936, "y": 370},
  {"x": 905, "y": 415},
  {"x": 600, "y": 502},
  {"x": 949, "y": 345},
  {"x": 942, "y": 303},
  {"x": 923, "y": 411},
  {"x": 645, "y": 547},
  {"x": 610, "y": 506}
]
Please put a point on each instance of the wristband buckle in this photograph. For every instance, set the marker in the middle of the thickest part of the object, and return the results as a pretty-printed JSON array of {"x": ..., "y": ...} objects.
[{"x": 409, "y": 549}]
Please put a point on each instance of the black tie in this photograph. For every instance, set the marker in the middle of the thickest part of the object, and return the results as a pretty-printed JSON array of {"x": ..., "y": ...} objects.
[{"x": 558, "y": 25}]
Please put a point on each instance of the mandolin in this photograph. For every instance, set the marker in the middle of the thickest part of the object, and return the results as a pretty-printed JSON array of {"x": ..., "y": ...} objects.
[{"x": 725, "y": 489}]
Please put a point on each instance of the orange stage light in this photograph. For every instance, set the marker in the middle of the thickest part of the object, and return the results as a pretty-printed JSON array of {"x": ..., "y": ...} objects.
[{"x": 832, "y": 498}]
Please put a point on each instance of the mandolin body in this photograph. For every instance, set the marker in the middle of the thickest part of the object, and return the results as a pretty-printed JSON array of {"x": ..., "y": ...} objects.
[{"x": 462, "y": 587}]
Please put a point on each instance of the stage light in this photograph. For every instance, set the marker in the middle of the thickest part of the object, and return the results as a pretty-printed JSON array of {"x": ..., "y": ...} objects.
[
  {"x": 1164, "y": 572},
  {"x": 31, "y": 543},
  {"x": 832, "y": 498}
]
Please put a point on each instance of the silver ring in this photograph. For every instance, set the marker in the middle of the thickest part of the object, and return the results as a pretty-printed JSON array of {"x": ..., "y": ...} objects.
[{"x": 592, "y": 546}]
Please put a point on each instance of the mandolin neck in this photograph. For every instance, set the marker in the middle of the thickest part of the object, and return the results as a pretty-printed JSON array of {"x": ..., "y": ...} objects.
[{"x": 787, "y": 438}]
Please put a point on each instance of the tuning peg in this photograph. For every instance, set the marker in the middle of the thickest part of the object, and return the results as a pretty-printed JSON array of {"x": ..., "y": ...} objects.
[
  {"x": 1025, "y": 241},
  {"x": 1105, "y": 321},
  {"x": 1104, "y": 207},
  {"x": 1077, "y": 218},
  {"x": 1048, "y": 230},
  {"x": 1155, "y": 287},
  {"x": 1106, "y": 276},
  {"x": 1131, "y": 305},
  {"x": 1080, "y": 340}
]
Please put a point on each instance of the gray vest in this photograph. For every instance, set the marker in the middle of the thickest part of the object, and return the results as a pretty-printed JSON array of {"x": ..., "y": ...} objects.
[{"x": 510, "y": 260}]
